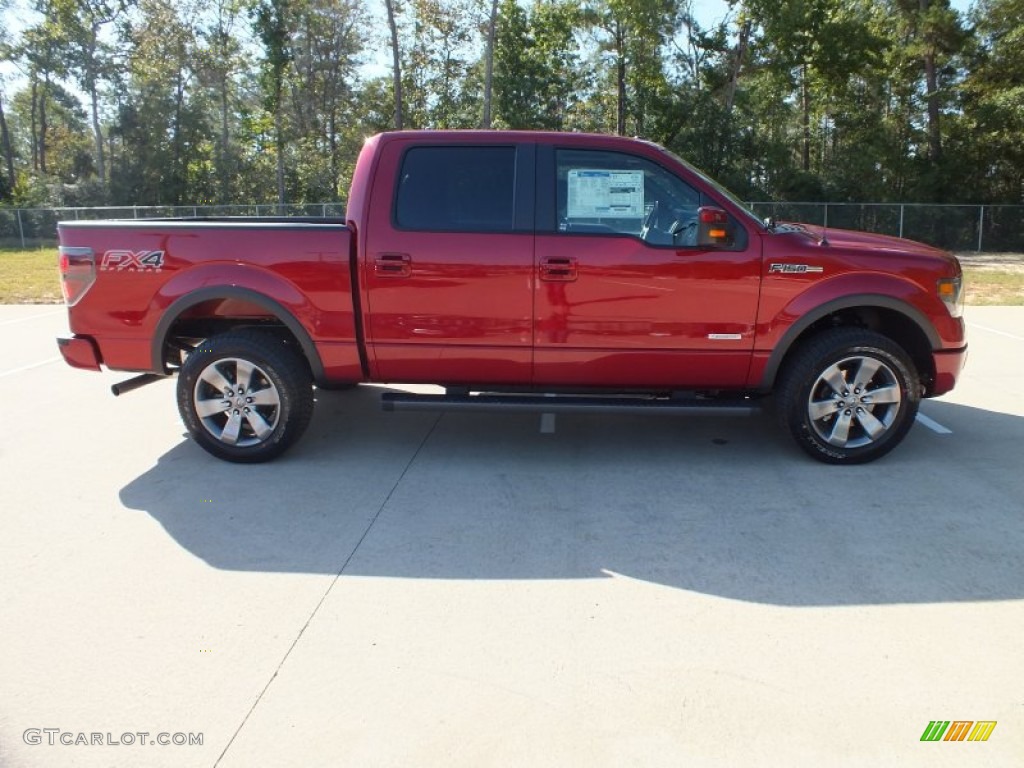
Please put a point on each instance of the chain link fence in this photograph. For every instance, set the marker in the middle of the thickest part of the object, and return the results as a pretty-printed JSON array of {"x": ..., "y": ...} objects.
[
  {"x": 37, "y": 227},
  {"x": 992, "y": 228}
]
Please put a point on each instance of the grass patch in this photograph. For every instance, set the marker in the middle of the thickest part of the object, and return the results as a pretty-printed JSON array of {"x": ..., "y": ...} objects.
[
  {"x": 993, "y": 286},
  {"x": 29, "y": 277}
]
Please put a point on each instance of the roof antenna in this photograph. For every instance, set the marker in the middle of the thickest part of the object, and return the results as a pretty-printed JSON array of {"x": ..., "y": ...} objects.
[{"x": 824, "y": 231}]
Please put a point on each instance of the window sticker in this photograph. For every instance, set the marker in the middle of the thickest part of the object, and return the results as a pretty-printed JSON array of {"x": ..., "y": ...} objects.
[{"x": 595, "y": 194}]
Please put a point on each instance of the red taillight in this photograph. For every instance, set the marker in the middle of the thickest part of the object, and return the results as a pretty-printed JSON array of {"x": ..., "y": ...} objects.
[{"x": 77, "y": 272}]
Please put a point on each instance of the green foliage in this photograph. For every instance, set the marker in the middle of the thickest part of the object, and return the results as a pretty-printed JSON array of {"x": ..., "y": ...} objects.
[{"x": 226, "y": 101}]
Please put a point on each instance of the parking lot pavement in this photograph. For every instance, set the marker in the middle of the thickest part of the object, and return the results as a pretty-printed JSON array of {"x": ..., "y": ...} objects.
[{"x": 415, "y": 589}]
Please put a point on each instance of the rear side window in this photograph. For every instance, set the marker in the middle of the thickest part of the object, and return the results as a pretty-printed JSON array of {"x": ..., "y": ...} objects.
[{"x": 457, "y": 189}]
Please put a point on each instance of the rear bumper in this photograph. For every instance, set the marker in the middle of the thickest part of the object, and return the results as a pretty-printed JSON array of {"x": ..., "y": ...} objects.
[
  {"x": 80, "y": 352},
  {"x": 948, "y": 365}
]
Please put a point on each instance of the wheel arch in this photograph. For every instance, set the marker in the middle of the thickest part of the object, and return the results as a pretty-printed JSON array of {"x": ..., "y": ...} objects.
[
  {"x": 899, "y": 321},
  {"x": 218, "y": 294}
]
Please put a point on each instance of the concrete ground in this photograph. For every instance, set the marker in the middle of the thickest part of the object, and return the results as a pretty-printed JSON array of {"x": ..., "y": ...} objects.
[{"x": 416, "y": 590}]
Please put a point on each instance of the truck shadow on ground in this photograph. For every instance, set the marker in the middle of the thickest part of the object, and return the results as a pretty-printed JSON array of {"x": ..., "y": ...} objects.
[{"x": 718, "y": 505}]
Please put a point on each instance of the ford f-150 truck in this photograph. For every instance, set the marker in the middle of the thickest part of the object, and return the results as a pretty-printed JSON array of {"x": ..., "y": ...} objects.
[{"x": 546, "y": 271}]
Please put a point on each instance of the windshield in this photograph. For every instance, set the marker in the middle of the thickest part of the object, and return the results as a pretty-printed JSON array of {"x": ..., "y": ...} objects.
[{"x": 718, "y": 188}]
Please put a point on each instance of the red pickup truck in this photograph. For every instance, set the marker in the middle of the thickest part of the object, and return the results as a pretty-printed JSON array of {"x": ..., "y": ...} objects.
[{"x": 545, "y": 271}]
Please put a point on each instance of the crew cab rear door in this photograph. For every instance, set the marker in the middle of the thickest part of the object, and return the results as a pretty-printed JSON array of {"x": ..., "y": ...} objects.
[
  {"x": 625, "y": 295},
  {"x": 448, "y": 262}
]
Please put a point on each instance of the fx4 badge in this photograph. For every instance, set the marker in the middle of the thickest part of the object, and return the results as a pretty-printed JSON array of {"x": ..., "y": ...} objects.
[
  {"x": 793, "y": 269},
  {"x": 137, "y": 260}
]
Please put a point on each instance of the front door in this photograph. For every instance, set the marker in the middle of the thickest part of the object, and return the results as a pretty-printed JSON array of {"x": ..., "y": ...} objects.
[{"x": 625, "y": 297}]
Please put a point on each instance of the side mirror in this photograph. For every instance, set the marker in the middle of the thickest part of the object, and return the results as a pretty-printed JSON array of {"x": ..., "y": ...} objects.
[{"x": 713, "y": 227}]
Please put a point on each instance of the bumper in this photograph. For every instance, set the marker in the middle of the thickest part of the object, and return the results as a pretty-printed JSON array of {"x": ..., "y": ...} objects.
[
  {"x": 80, "y": 352},
  {"x": 948, "y": 365}
]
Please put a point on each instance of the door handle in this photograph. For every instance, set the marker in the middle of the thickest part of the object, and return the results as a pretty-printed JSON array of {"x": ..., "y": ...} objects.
[
  {"x": 393, "y": 265},
  {"x": 558, "y": 269}
]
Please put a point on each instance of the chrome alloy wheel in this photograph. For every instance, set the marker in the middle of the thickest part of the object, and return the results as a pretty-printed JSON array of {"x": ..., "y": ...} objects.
[
  {"x": 236, "y": 402},
  {"x": 854, "y": 402}
]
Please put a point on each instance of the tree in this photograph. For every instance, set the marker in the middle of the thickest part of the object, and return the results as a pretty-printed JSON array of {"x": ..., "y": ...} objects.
[
  {"x": 223, "y": 55},
  {"x": 396, "y": 63},
  {"x": 442, "y": 89},
  {"x": 990, "y": 129},
  {"x": 326, "y": 39},
  {"x": 537, "y": 73},
  {"x": 492, "y": 26},
  {"x": 928, "y": 35},
  {"x": 271, "y": 24},
  {"x": 80, "y": 24},
  {"x": 5, "y": 135}
]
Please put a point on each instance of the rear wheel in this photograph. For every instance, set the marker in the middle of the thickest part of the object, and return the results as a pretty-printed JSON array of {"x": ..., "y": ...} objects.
[
  {"x": 848, "y": 396},
  {"x": 245, "y": 396}
]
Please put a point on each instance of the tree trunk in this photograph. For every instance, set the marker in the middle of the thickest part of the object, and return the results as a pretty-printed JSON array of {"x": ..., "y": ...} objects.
[
  {"x": 179, "y": 163},
  {"x": 34, "y": 129},
  {"x": 332, "y": 133},
  {"x": 101, "y": 161},
  {"x": 931, "y": 78},
  {"x": 90, "y": 83},
  {"x": 737, "y": 65},
  {"x": 43, "y": 127},
  {"x": 5, "y": 144},
  {"x": 805, "y": 100},
  {"x": 225, "y": 139},
  {"x": 396, "y": 72},
  {"x": 620, "y": 80},
  {"x": 489, "y": 72},
  {"x": 279, "y": 140}
]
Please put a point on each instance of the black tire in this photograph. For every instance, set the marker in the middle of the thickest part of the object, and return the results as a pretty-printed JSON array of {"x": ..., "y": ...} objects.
[
  {"x": 255, "y": 422},
  {"x": 848, "y": 395}
]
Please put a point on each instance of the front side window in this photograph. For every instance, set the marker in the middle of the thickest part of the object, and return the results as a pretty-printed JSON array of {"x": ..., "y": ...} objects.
[
  {"x": 614, "y": 193},
  {"x": 457, "y": 189}
]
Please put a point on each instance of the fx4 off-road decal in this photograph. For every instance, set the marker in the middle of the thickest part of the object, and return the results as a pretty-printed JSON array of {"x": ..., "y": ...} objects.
[{"x": 135, "y": 260}]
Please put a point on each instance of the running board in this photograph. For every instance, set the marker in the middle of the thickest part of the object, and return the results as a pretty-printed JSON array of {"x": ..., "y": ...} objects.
[{"x": 407, "y": 401}]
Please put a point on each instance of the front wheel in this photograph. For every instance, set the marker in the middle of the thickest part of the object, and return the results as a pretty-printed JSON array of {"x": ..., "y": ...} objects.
[
  {"x": 245, "y": 396},
  {"x": 848, "y": 396}
]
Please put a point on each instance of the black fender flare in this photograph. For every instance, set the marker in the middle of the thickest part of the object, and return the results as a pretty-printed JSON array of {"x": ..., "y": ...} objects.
[
  {"x": 189, "y": 300},
  {"x": 846, "y": 302}
]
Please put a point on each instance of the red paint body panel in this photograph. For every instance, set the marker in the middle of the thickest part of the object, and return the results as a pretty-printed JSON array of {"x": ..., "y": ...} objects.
[
  {"x": 488, "y": 309},
  {"x": 638, "y": 316}
]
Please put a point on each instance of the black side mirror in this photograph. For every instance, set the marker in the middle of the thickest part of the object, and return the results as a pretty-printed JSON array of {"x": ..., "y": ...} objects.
[{"x": 713, "y": 227}]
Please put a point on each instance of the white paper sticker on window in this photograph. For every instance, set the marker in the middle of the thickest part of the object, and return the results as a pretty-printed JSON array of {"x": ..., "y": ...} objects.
[{"x": 594, "y": 194}]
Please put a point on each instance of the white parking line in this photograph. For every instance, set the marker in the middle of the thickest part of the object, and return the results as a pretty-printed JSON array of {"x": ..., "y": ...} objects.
[
  {"x": 993, "y": 330},
  {"x": 934, "y": 426},
  {"x": 23, "y": 368},
  {"x": 30, "y": 317}
]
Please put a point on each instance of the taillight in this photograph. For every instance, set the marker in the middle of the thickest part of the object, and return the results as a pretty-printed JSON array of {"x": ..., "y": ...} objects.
[{"x": 77, "y": 273}]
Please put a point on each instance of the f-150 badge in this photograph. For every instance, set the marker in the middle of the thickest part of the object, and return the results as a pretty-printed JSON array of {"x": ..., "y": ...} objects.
[{"x": 794, "y": 269}]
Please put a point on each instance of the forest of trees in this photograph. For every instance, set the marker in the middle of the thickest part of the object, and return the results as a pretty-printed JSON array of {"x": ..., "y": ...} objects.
[{"x": 167, "y": 102}]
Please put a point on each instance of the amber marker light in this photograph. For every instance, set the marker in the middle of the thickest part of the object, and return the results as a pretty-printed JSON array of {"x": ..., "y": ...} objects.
[{"x": 950, "y": 290}]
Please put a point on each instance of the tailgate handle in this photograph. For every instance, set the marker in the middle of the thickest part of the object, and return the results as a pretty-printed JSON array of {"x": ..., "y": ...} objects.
[
  {"x": 393, "y": 265},
  {"x": 558, "y": 269}
]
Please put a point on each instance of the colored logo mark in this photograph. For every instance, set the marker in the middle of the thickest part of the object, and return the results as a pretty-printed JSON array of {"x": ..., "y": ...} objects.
[{"x": 958, "y": 730}]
